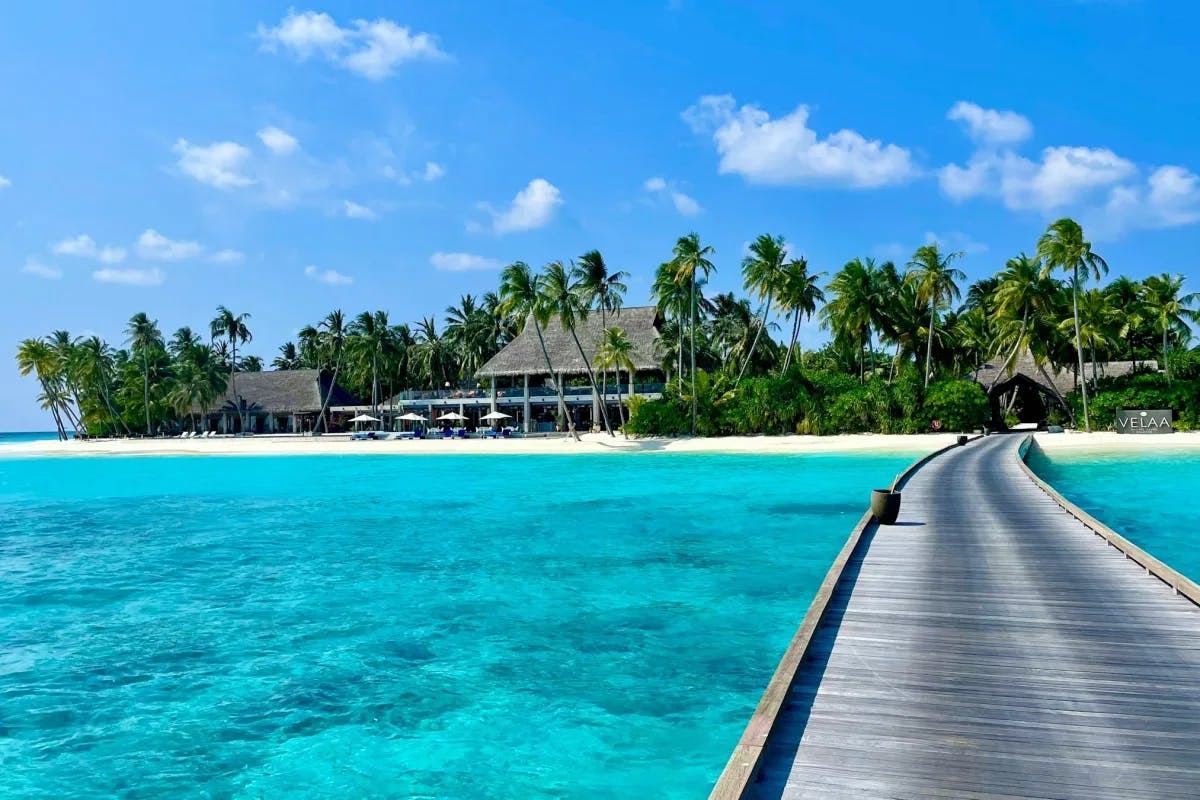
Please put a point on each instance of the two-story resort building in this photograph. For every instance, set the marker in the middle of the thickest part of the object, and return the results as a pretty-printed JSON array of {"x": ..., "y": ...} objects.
[{"x": 518, "y": 382}]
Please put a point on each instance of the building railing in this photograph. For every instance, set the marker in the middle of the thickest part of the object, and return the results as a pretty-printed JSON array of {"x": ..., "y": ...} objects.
[{"x": 511, "y": 392}]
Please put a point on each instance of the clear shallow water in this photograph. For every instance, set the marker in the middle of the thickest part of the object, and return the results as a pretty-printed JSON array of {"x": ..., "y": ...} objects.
[
  {"x": 1147, "y": 497},
  {"x": 524, "y": 627},
  {"x": 17, "y": 437}
]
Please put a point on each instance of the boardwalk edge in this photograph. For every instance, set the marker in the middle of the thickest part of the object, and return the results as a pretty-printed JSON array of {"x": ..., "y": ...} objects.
[
  {"x": 1180, "y": 583},
  {"x": 744, "y": 763}
]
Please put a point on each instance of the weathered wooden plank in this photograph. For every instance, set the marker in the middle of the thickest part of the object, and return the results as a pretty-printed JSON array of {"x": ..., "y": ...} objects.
[{"x": 989, "y": 646}]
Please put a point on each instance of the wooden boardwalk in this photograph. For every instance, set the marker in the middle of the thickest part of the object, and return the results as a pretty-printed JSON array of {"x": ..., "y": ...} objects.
[{"x": 991, "y": 646}]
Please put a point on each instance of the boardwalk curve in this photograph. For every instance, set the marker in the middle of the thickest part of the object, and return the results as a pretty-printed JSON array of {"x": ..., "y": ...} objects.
[{"x": 988, "y": 646}]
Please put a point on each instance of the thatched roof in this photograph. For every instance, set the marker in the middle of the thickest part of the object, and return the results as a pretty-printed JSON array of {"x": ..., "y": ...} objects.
[
  {"x": 1062, "y": 381},
  {"x": 523, "y": 355},
  {"x": 292, "y": 391}
]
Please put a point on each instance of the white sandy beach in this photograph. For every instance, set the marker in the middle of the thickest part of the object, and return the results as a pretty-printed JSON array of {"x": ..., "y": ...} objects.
[
  {"x": 341, "y": 444},
  {"x": 592, "y": 443},
  {"x": 1110, "y": 442}
]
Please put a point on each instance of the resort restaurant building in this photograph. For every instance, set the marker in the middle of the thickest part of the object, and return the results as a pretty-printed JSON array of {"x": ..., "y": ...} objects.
[
  {"x": 281, "y": 401},
  {"x": 517, "y": 382}
]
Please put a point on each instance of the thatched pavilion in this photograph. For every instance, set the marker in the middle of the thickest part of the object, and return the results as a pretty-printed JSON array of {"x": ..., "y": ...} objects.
[
  {"x": 280, "y": 401},
  {"x": 1031, "y": 390}
]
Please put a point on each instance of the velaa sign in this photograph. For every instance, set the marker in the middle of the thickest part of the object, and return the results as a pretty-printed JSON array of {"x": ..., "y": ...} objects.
[{"x": 1158, "y": 421}]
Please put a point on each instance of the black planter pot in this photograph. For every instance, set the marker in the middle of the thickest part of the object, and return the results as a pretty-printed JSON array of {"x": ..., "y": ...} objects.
[
  {"x": 885, "y": 506},
  {"x": 962, "y": 440}
]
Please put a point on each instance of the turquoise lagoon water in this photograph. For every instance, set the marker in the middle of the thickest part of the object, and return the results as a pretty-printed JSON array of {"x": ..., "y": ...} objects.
[
  {"x": 18, "y": 437},
  {"x": 441, "y": 626},
  {"x": 1146, "y": 496}
]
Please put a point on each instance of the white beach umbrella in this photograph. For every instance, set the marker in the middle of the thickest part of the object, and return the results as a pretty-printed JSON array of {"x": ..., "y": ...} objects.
[
  {"x": 451, "y": 415},
  {"x": 411, "y": 417},
  {"x": 496, "y": 415},
  {"x": 364, "y": 418}
]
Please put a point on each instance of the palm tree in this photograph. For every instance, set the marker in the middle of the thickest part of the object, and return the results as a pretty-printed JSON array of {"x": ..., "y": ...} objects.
[
  {"x": 1062, "y": 247},
  {"x": 1169, "y": 310},
  {"x": 199, "y": 380},
  {"x": 521, "y": 296},
  {"x": 935, "y": 281},
  {"x": 671, "y": 298},
  {"x": 616, "y": 353},
  {"x": 252, "y": 364},
  {"x": 288, "y": 357},
  {"x": 763, "y": 272},
  {"x": 799, "y": 295},
  {"x": 1097, "y": 326},
  {"x": 36, "y": 356},
  {"x": 851, "y": 314},
  {"x": 95, "y": 366},
  {"x": 331, "y": 341},
  {"x": 565, "y": 298},
  {"x": 142, "y": 335},
  {"x": 370, "y": 344},
  {"x": 602, "y": 289},
  {"x": 232, "y": 327},
  {"x": 1127, "y": 296},
  {"x": 691, "y": 257}
]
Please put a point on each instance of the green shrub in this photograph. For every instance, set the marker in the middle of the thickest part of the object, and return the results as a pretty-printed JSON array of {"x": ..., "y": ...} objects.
[
  {"x": 664, "y": 417},
  {"x": 960, "y": 405}
]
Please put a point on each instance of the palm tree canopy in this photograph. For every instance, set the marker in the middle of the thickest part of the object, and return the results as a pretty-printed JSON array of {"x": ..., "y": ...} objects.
[{"x": 1063, "y": 247}]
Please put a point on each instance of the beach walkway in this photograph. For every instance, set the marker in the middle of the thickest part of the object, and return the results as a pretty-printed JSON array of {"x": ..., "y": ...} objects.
[{"x": 991, "y": 646}]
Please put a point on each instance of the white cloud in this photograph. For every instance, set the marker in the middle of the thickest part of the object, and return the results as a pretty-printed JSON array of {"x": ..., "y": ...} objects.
[
  {"x": 278, "y": 141},
  {"x": 533, "y": 207},
  {"x": 355, "y": 211},
  {"x": 85, "y": 247},
  {"x": 432, "y": 171},
  {"x": 130, "y": 277},
  {"x": 154, "y": 246},
  {"x": 461, "y": 262},
  {"x": 956, "y": 242},
  {"x": 685, "y": 204},
  {"x": 329, "y": 276},
  {"x": 386, "y": 45},
  {"x": 1169, "y": 198},
  {"x": 4, "y": 182},
  {"x": 372, "y": 49},
  {"x": 81, "y": 245},
  {"x": 989, "y": 126},
  {"x": 40, "y": 270},
  {"x": 218, "y": 164},
  {"x": 227, "y": 257},
  {"x": 1101, "y": 187},
  {"x": 786, "y": 151}
]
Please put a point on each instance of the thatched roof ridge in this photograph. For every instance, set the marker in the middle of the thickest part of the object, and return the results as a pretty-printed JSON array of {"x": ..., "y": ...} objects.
[
  {"x": 523, "y": 355},
  {"x": 291, "y": 391},
  {"x": 1063, "y": 381}
]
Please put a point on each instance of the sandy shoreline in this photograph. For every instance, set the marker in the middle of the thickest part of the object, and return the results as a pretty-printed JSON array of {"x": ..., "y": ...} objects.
[
  {"x": 1109, "y": 442},
  {"x": 592, "y": 443}
]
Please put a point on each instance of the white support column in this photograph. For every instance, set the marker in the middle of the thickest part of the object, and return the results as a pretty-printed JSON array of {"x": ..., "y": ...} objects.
[{"x": 528, "y": 429}]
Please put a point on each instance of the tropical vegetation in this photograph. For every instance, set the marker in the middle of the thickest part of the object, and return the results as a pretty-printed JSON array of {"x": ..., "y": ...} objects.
[{"x": 904, "y": 344}]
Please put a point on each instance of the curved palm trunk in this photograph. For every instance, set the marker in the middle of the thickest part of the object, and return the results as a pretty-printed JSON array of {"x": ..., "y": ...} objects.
[
  {"x": 592, "y": 380},
  {"x": 693, "y": 351},
  {"x": 233, "y": 385},
  {"x": 621, "y": 406},
  {"x": 562, "y": 400},
  {"x": 337, "y": 366},
  {"x": 146, "y": 388},
  {"x": 1166, "y": 358},
  {"x": 787, "y": 359},
  {"x": 929, "y": 346},
  {"x": 754, "y": 342},
  {"x": 1087, "y": 423},
  {"x": 604, "y": 370}
]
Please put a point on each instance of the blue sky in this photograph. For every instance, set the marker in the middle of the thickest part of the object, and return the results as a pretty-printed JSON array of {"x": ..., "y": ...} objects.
[{"x": 288, "y": 160}]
